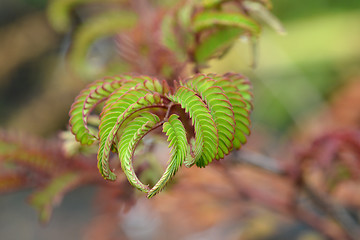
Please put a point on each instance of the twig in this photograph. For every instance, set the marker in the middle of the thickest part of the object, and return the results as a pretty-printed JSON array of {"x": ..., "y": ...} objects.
[
  {"x": 168, "y": 111},
  {"x": 258, "y": 160},
  {"x": 335, "y": 211}
]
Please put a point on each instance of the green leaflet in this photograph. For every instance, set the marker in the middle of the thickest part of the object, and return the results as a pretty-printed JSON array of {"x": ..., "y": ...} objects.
[
  {"x": 85, "y": 102},
  {"x": 44, "y": 199},
  {"x": 206, "y": 137},
  {"x": 243, "y": 86},
  {"x": 220, "y": 108},
  {"x": 176, "y": 133},
  {"x": 132, "y": 134},
  {"x": 230, "y": 84},
  {"x": 207, "y": 19},
  {"x": 216, "y": 43}
]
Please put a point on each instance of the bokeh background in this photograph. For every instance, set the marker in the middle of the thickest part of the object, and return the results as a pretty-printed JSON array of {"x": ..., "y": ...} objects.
[{"x": 305, "y": 81}]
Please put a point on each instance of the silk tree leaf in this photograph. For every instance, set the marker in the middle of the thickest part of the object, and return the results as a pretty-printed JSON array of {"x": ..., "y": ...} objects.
[
  {"x": 107, "y": 122},
  {"x": 216, "y": 43},
  {"x": 85, "y": 102},
  {"x": 234, "y": 86},
  {"x": 45, "y": 199},
  {"x": 121, "y": 102},
  {"x": 220, "y": 108},
  {"x": 176, "y": 133},
  {"x": 218, "y": 105},
  {"x": 131, "y": 102},
  {"x": 243, "y": 86},
  {"x": 209, "y": 19},
  {"x": 132, "y": 134},
  {"x": 206, "y": 135}
]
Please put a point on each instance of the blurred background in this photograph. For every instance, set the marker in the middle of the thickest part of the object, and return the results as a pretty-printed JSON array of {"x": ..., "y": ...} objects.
[{"x": 306, "y": 82}]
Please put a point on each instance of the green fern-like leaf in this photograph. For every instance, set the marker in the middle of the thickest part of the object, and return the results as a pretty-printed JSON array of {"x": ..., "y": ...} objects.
[
  {"x": 240, "y": 106},
  {"x": 206, "y": 134},
  {"x": 176, "y": 133},
  {"x": 85, "y": 102},
  {"x": 132, "y": 134},
  {"x": 220, "y": 109},
  {"x": 135, "y": 101},
  {"x": 143, "y": 93},
  {"x": 218, "y": 106},
  {"x": 243, "y": 86}
]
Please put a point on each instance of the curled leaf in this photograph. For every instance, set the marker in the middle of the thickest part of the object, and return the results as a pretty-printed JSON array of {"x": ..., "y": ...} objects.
[
  {"x": 132, "y": 134},
  {"x": 218, "y": 106},
  {"x": 176, "y": 133},
  {"x": 85, "y": 102}
]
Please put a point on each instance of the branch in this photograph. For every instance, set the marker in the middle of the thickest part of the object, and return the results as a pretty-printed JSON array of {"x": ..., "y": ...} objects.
[
  {"x": 335, "y": 211},
  {"x": 258, "y": 160}
]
